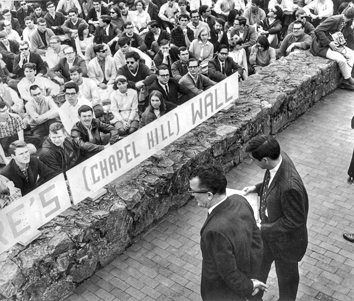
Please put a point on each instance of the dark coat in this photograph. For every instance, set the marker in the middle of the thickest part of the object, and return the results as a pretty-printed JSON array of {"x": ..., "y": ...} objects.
[
  {"x": 58, "y": 21},
  {"x": 58, "y": 158},
  {"x": 80, "y": 134},
  {"x": 144, "y": 73},
  {"x": 149, "y": 38},
  {"x": 214, "y": 69},
  {"x": 231, "y": 248},
  {"x": 15, "y": 25},
  {"x": 214, "y": 39},
  {"x": 63, "y": 67},
  {"x": 8, "y": 56},
  {"x": 320, "y": 43},
  {"x": 148, "y": 116},
  {"x": 35, "y": 169},
  {"x": 33, "y": 58},
  {"x": 112, "y": 33},
  {"x": 92, "y": 14},
  {"x": 21, "y": 14},
  {"x": 153, "y": 11},
  {"x": 287, "y": 204}
]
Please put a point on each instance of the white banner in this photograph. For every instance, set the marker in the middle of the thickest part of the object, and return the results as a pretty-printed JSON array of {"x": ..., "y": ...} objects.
[
  {"x": 121, "y": 157},
  {"x": 24, "y": 216}
]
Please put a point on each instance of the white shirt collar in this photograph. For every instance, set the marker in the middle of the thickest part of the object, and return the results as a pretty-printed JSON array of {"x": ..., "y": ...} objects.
[
  {"x": 274, "y": 170},
  {"x": 217, "y": 204}
]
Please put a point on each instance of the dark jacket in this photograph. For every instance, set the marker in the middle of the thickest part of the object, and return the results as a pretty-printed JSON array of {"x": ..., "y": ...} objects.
[
  {"x": 15, "y": 25},
  {"x": 149, "y": 38},
  {"x": 148, "y": 116},
  {"x": 249, "y": 36},
  {"x": 287, "y": 203},
  {"x": 35, "y": 168},
  {"x": 144, "y": 73},
  {"x": 112, "y": 33},
  {"x": 231, "y": 248},
  {"x": 8, "y": 56},
  {"x": 58, "y": 158},
  {"x": 58, "y": 22},
  {"x": 214, "y": 39},
  {"x": 21, "y": 14},
  {"x": 33, "y": 58},
  {"x": 320, "y": 43},
  {"x": 158, "y": 58},
  {"x": 153, "y": 11},
  {"x": 214, "y": 69},
  {"x": 88, "y": 148},
  {"x": 63, "y": 68},
  {"x": 179, "y": 69},
  {"x": 92, "y": 14}
]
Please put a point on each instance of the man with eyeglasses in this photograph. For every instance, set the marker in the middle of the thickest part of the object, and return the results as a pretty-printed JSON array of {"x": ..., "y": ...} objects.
[
  {"x": 41, "y": 112},
  {"x": 298, "y": 40},
  {"x": 24, "y": 11},
  {"x": 222, "y": 65},
  {"x": 68, "y": 111},
  {"x": 41, "y": 37},
  {"x": 231, "y": 242},
  {"x": 167, "y": 14},
  {"x": 8, "y": 50},
  {"x": 54, "y": 19},
  {"x": 246, "y": 32},
  {"x": 173, "y": 93},
  {"x": 154, "y": 37},
  {"x": 195, "y": 82},
  {"x": 55, "y": 51},
  {"x": 47, "y": 86},
  {"x": 196, "y": 25},
  {"x": 15, "y": 24},
  {"x": 308, "y": 27},
  {"x": 60, "y": 72}
]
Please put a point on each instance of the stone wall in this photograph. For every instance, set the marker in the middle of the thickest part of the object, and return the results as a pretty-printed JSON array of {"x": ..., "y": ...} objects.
[{"x": 88, "y": 236}]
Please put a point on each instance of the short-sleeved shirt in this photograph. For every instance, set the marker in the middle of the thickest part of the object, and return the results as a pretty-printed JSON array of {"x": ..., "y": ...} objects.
[{"x": 13, "y": 125}]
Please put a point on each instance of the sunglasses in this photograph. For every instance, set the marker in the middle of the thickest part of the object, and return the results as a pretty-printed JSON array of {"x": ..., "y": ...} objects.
[
  {"x": 37, "y": 94},
  {"x": 130, "y": 63},
  {"x": 103, "y": 51},
  {"x": 21, "y": 49},
  {"x": 112, "y": 12},
  {"x": 67, "y": 53},
  {"x": 23, "y": 4}
]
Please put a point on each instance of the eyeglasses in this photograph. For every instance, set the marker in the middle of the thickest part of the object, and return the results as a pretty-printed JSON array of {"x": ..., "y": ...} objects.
[
  {"x": 112, "y": 12},
  {"x": 23, "y": 4},
  {"x": 164, "y": 75},
  {"x": 103, "y": 51},
  {"x": 191, "y": 191},
  {"x": 70, "y": 94},
  {"x": 130, "y": 63},
  {"x": 67, "y": 53},
  {"x": 37, "y": 94},
  {"x": 223, "y": 53},
  {"x": 129, "y": 27},
  {"x": 52, "y": 6},
  {"x": 192, "y": 67},
  {"x": 297, "y": 29},
  {"x": 21, "y": 49}
]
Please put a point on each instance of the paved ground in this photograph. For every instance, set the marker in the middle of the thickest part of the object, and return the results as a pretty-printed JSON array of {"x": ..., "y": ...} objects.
[{"x": 166, "y": 263}]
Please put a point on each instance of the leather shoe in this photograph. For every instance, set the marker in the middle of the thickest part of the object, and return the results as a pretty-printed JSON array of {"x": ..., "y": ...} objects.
[{"x": 349, "y": 236}]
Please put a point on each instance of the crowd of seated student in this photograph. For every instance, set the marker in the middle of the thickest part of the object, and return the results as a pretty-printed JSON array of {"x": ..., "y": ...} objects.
[{"x": 76, "y": 77}]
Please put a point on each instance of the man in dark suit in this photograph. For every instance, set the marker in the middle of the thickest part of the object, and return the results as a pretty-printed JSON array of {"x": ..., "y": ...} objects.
[
  {"x": 8, "y": 50},
  {"x": 246, "y": 32},
  {"x": 24, "y": 11},
  {"x": 283, "y": 212},
  {"x": 150, "y": 42},
  {"x": 173, "y": 93},
  {"x": 222, "y": 65},
  {"x": 92, "y": 16},
  {"x": 108, "y": 32},
  {"x": 217, "y": 35},
  {"x": 205, "y": 15},
  {"x": 15, "y": 24},
  {"x": 152, "y": 10},
  {"x": 60, "y": 72},
  {"x": 180, "y": 67},
  {"x": 230, "y": 242}
]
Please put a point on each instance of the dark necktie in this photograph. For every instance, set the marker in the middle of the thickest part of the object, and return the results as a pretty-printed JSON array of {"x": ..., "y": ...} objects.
[
  {"x": 167, "y": 89},
  {"x": 264, "y": 193},
  {"x": 223, "y": 67}
]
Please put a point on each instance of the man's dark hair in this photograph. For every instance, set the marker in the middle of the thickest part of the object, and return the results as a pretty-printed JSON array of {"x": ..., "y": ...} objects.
[
  {"x": 263, "y": 41},
  {"x": 30, "y": 66},
  {"x": 232, "y": 16},
  {"x": 203, "y": 9},
  {"x": 211, "y": 178},
  {"x": 299, "y": 22},
  {"x": 83, "y": 109},
  {"x": 3, "y": 103},
  {"x": 71, "y": 85},
  {"x": 5, "y": 11},
  {"x": 161, "y": 67},
  {"x": 15, "y": 145},
  {"x": 263, "y": 146},
  {"x": 35, "y": 6},
  {"x": 55, "y": 127},
  {"x": 49, "y": 3},
  {"x": 192, "y": 59},
  {"x": 220, "y": 21},
  {"x": 41, "y": 20},
  {"x": 106, "y": 19},
  {"x": 185, "y": 16},
  {"x": 34, "y": 87},
  {"x": 164, "y": 42},
  {"x": 127, "y": 24},
  {"x": 28, "y": 18},
  {"x": 257, "y": 2},
  {"x": 97, "y": 1},
  {"x": 182, "y": 48},
  {"x": 98, "y": 48},
  {"x": 193, "y": 12},
  {"x": 98, "y": 39},
  {"x": 242, "y": 20},
  {"x": 75, "y": 69},
  {"x": 132, "y": 54},
  {"x": 222, "y": 46},
  {"x": 73, "y": 10},
  {"x": 124, "y": 40}
]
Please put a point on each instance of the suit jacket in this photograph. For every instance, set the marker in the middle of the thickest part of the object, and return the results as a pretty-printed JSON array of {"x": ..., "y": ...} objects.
[
  {"x": 249, "y": 36},
  {"x": 94, "y": 71},
  {"x": 210, "y": 21},
  {"x": 58, "y": 21},
  {"x": 92, "y": 14},
  {"x": 33, "y": 58},
  {"x": 149, "y": 38},
  {"x": 203, "y": 83},
  {"x": 214, "y": 39},
  {"x": 153, "y": 11},
  {"x": 112, "y": 33},
  {"x": 287, "y": 205},
  {"x": 231, "y": 248},
  {"x": 63, "y": 67},
  {"x": 35, "y": 168},
  {"x": 21, "y": 14},
  {"x": 8, "y": 56},
  {"x": 214, "y": 69},
  {"x": 179, "y": 69}
]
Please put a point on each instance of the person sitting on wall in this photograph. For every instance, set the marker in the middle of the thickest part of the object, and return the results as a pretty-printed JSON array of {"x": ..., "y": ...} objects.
[
  {"x": 91, "y": 134},
  {"x": 24, "y": 169},
  {"x": 193, "y": 81},
  {"x": 59, "y": 151},
  {"x": 124, "y": 106},
  {"x": 155, "y": 109},
  {"x": 261, "y": 54},
  {"x": 296, "y": 40},
  {"x": 222, "y": 65}
]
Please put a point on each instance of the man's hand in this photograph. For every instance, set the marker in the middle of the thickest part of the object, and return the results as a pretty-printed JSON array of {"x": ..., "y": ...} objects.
[
  {"x": 59, "y": 80},
  {"x": 102, "y": 86},
  {"x": 249, "y": 189},
  {"x": 289, "y": 49},
  {"x": 139, "y": 85},
  {"x": 258, "y": 285},
  {"x": 334, "y": 46}
]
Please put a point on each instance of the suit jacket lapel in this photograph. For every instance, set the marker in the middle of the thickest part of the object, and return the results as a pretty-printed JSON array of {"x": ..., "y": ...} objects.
[
  {"x": 277, "y": 175},
  {"x": 218, "y": 208}
]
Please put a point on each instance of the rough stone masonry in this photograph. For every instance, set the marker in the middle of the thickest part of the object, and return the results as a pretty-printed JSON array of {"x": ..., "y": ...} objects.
[{"x": 89, "y": 235}]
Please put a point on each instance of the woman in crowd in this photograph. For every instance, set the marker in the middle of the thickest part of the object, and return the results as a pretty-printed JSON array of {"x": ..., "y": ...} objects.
[
  {"x": 83, "y": 39},
  {"x": 140, "y": 18},
  {"x": 116, "y": 18},
  {"x": 262, "y": 54},
  {"x": 238, "y": 54},
  {"x": 124, "y": 107},
  {"x": 271, "y": 26},
  {"x": 155, "y": 109},
  {"x": 202, "y": 50}
]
